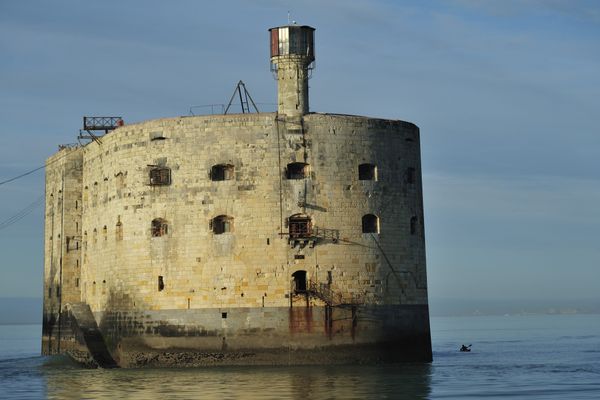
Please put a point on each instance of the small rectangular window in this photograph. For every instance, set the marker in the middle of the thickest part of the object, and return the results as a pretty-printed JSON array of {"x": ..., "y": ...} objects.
[
  {"x": 296, "y": 170},
  {"x": 161, "y": 283},
  {"x": 160, "y": 176},
  {"x": 300, "y": 227},
  {"x": 367, "y": 172},
  {"x": 222, "y": 172}
]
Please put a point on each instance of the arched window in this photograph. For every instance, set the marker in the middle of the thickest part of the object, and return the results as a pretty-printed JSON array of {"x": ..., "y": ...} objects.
[
  {"x": 370, "y": 223},
  {"x": 222, "y": 172},
  {"x": 222, "y": 224},
  {"x": 413, "y": 225},
  {"x": 299, "y": 281},
  {"x": 296, "y": 170},
  {"x": 300, "y": 226},
  {"x": 367, "y": 172},
  {"x": 159, "y": 227},
  {"x": 160, "y": 176}
]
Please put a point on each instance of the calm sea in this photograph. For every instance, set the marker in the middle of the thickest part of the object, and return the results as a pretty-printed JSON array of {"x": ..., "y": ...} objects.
[{"x": 516, "y": 357}]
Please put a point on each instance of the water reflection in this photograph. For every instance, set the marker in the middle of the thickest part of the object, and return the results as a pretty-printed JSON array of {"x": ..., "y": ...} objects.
[{"x": 410, "y": 381}]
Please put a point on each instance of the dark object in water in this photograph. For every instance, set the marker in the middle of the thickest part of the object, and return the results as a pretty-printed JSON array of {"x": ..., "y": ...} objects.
[{"x": 465, "y": 348}]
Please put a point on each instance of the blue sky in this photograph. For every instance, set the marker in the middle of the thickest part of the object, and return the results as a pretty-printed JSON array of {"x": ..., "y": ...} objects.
[{"x": 505, "y": 92}]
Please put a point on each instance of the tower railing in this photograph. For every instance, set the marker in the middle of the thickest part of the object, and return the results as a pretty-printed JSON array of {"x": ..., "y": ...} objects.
[{"x": 325, "y": 293}]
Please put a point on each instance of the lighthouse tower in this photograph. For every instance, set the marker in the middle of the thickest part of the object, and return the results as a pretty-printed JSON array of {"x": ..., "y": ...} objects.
[{"x": 292, "y": 57}]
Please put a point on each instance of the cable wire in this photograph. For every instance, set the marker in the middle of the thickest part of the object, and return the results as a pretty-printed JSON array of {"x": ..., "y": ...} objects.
[
  {"x": 36, "y": 169},
  {"x": 22, "y": 214}
]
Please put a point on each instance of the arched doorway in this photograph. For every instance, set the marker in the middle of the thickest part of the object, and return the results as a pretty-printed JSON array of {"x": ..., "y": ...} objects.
[{"x": 299, "y": 285}]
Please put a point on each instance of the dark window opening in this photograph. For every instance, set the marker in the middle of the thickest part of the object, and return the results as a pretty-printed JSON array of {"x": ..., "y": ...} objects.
[
  {"x": 160, "y": 176},
  {"x": 299, "y": 281},
  {"x": 222, "y": 172},
  {"x": 222, "y": 224},
  {"x": 159, "y": 227},
  {"x": 76, "y": 282},
  {"x": 161, "y": 283},
  {"x": 299, "y": 257},
  {"x": 329, "y": 277},
  {"x": 57, "y": 291},
  {"x": 224, "y": 315},
  {"x": 300, "y": 226},
  {"x": 157, "y": 136},
  {"x": 49, "y": 291},
  {"x": 367, "y": 172},
  {"x": 410, "y": 175},
  {"x": 296, "y": 170},
  {"x": 370, "y": 223},
  {"x": 413, "y": 225}
]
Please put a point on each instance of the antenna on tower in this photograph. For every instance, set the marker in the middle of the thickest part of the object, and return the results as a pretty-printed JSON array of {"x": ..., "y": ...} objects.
[
  {"x": 244, "y": 96},
  {"x": 288, "y": 17}
]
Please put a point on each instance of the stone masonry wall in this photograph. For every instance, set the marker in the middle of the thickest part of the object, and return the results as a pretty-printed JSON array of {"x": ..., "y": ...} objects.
[
  {"x": 252, "y": 265},
  {"x": 62, "y": 235}
]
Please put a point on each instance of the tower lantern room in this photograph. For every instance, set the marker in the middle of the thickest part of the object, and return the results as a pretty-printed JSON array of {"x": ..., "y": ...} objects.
[{"x": 292, "y": 56}]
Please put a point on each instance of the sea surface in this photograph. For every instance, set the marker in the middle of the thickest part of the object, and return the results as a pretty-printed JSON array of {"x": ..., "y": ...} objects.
[{"x": 513, "y": 357}]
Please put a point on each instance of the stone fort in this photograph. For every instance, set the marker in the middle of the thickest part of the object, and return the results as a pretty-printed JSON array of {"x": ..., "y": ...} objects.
[{"x": 290, "y": 237}]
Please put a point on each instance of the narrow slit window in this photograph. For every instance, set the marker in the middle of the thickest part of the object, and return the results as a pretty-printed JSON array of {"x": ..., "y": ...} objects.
[
  {"x": 413, "y": 225},
  {"x": 159, "y": 227},
  {"x": 370, "y": 223},
  {"x": 161, "y": 283},
  {"x": 410, "y": 175},
  {"x": 222, "y": 224},
  {"x": 222, "y": 172},
  {"x": 160, "y": 176},
  {"x": 296, "y": 170},
  {"x": 367, "y": 172},
  {"x": 119, "y": 231}
]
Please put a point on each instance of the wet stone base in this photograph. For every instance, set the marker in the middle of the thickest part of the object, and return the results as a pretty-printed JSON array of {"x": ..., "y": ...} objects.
[
  {"x": 261, "y": 336},
  {"x": 351, "y": 354}
]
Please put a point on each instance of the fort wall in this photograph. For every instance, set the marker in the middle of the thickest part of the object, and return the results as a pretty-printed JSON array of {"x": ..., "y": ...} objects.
[{"x": 198, "y": 281}]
